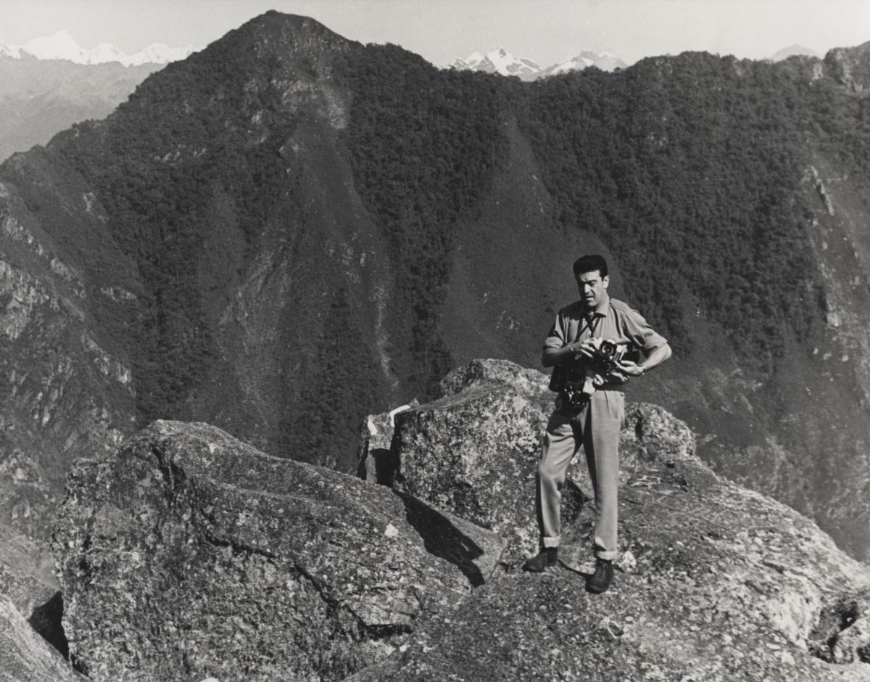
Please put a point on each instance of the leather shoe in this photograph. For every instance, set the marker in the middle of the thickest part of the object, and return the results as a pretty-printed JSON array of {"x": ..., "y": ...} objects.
[
  {"x": 601, "y": 579},
  {"x": 546, "y": 557}
]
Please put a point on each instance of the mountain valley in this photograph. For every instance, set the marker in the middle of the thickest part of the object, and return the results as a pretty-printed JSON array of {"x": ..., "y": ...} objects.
[{"x": 288, "y": 230}]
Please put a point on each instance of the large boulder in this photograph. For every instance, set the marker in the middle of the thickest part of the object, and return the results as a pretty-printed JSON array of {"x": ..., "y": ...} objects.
[
  {"x": 191, "y": 554},
  {"x": 717, "y": 583},
  {"x": 24, "y": 655},
  {"x": 475, "y": 450}
]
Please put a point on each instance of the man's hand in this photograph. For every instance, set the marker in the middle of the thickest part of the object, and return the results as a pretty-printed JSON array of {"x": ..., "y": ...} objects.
[
  {"x": 583, "y": 349},
  {"x": 629, "y": 368},
  {"x": 616, "y": 377}
]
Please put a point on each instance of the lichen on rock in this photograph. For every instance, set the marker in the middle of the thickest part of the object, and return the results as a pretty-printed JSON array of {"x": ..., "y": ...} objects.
[{"x": 190, "y": 553}]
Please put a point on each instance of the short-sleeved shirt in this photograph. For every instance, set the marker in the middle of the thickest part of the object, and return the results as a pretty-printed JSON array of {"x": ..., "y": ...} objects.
[{"x": 610, "y": 319}]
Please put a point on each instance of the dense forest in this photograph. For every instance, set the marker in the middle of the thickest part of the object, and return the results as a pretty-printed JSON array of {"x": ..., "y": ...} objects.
[
  {"x": 682, "y": 159},
  {"x": 688, "y": 168},
  {"x": 695, "y": 159},
  {"x": 423, "y": 144}
]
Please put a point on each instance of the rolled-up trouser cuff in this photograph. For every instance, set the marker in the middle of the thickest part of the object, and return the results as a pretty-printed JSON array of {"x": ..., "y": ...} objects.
[
  {"x": 552, "y": 542},
  {"x": 606, "y": 556}
]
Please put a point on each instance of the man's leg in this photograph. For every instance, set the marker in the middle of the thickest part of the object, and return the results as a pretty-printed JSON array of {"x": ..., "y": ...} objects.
[
  {"x": 561, "y": 443},
  {"x": 601, "y": 443}
]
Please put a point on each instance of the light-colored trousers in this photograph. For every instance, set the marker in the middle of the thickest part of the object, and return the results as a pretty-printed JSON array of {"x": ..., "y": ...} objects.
[{"x": 596, "y": 427}]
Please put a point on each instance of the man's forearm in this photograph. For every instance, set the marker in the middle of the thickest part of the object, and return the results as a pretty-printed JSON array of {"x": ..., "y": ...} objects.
[
  {"x": 655, "y": 358},
  {"x": 556, "y": 356}
]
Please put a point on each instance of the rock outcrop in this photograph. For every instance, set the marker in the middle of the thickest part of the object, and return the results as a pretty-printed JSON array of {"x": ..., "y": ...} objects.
[
  {"x": 66, "y": 389},
  {"x": 849, "y": 66},
  {"x": 24, "y": 655},
  {"x": 715, "y": 582},
  {"x": 475, "y": 450},
  {"x": 190, "y": 554}
]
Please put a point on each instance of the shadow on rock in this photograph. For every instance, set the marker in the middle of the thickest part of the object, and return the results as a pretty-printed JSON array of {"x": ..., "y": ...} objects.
[
  {"x": 443, "y": 539},
  {"x": 47, "y": 620}
]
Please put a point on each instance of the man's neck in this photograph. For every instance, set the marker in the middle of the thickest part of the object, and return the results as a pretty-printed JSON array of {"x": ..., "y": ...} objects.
[{"x": 599, "y": 309}]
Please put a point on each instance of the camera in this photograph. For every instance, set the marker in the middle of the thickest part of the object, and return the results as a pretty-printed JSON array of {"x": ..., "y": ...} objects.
[
  {"x": 576, "y": 382},
  {"x": 606, "y": 354}
]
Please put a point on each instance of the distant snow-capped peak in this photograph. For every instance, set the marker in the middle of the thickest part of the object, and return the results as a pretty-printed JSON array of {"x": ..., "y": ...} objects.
[
  {"x": 62, "y": 45},
  {"x": 605, "y": 61},
  {"x": 501, "y": 61}
]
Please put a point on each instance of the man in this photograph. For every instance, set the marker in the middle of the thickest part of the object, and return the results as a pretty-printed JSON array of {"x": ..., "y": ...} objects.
[{"x": 591, "y": 417}]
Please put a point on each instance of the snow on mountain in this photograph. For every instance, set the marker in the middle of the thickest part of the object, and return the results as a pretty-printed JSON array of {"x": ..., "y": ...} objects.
[
  {"x": 62, "y": 45},
  {"x": 605, "y": 61},
  {"x": 59, "y": 46},
  {"x": 501, "y": 61},
  {"x": 573, "y": 64},
  {"x": 160, "y": 53}
]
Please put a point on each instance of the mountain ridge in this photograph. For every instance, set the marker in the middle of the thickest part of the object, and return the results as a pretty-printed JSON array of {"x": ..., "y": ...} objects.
[
  {"x": 502, "y": 62},
  {"x": 62, "y": 46},
  {"x": 188, "y": 529},
  {"x": 323, "y": 230}
]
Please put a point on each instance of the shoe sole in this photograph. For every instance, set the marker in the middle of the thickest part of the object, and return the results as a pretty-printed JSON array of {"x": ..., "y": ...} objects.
[{"x": 537, "y": 570}]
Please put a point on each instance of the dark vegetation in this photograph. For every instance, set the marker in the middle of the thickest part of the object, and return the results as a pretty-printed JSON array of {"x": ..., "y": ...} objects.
[
  {"x": 424, "y": 144},
  {"x": 688, "y": 168},
  {"x": 158, "y": 202}
]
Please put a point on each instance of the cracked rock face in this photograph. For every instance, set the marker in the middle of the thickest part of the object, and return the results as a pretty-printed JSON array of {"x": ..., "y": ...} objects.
[{"x": 190, "y": 554}]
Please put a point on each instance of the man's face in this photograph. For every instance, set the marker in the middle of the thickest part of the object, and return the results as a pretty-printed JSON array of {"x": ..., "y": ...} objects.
[{"x": 592, "y": 287}]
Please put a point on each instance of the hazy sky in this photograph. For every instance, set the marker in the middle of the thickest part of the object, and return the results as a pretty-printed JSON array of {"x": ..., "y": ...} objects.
[{"x": 546, "y": 31}]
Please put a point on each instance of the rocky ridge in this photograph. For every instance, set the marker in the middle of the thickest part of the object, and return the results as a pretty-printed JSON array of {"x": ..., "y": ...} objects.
[
  {"x": 190, "y": 554},
  {"x": 715, "y": 583}
]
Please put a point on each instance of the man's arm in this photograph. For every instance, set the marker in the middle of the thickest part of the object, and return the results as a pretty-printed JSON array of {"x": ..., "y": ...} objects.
[
  {"x": 656, "y": 357},
  {"x": 556, "y": 356}
]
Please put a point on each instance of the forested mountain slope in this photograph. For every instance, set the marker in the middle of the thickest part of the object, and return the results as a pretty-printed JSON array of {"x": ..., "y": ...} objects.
[{"x": 288, "y": 230}]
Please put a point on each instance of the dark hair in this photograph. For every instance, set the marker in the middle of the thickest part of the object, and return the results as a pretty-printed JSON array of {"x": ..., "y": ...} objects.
[{"x": 589, "y": 263}]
